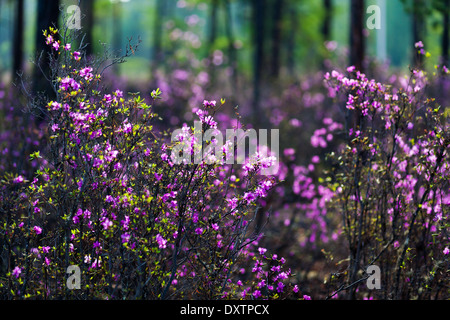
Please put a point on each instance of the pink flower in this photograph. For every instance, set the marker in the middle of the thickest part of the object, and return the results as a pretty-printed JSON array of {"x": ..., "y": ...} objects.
[
  {"x": 162, "y": 243},
  {"x": 56, "y": 45},
  {"x": 86, "y": 73},
  {"x": 49, "y": 39},
  {"x": 419, "y": 44},
  {"x": 76, "y": 56},
  {"x": 125, "y": 237},
  {"x": 55, "y": 127},
  {"x": 306, "y": 297},
  {"x": 18, "y": 179},
  {"x": 67, "y": 47},
  {"x": 17, "y": 271},
  {"x": 446, "y": 251},
  {"x": 207, "y": 103},
  {"x": 257, "y": 294},
  {"x": 37, "y": 229}
]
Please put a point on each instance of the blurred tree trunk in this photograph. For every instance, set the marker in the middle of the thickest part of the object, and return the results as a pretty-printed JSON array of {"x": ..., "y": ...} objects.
[
  {"x": 258, "y": 59},
  {"x": 293, "y": 23},
  {"x": 326, "y": 27},
  {"x": 277, "y": 27},
  {"x": 356, "y": 34},
  {"x": 117, "y": 32},
  {"x": 158, "y": 55},
  {"x": 212, "y": 39},
  {"x": 47, "y": 16},
  {"x": 231, "y": 49},
  {"x": 326, "y": 23},
  {"x": 418, "y": 28},
  {"x": 353, "y": 118},
  {"x": 445, "y": 34},
  {"x": 87, "y": 8},
  {"x": 18, "y": 38}
]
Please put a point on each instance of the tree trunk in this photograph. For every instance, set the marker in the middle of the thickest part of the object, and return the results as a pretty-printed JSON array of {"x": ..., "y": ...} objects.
[
  {"x": 48, "y": 14},
  {"x": 326, "y": 23},
  {"x": 231, "y": 49},
  {"x": 277, "y": 27},
  {"x": 258, "y": 40},
  {"x": 18, "y": 38},
  {"x": 293, "y": 23},
  {"x": 418, "y": 29},
  {"x": 87, "y": 9},
  {"x": 445, "y": 34},
  {"x": 356, "y": 34},
  {"x": 212, "y": 40}
]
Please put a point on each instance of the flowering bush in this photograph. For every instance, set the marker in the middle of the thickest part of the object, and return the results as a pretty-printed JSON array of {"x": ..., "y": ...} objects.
[
  {"x": 100, "y": 185},
  {"x": 108, "y": 197},
  {"x": 391, "y": 183}
]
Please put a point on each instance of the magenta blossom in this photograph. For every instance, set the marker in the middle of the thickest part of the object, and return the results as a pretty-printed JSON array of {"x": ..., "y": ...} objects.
[
  {"x": 17, "y": 271},
  {"x": 37, "y": 229}
]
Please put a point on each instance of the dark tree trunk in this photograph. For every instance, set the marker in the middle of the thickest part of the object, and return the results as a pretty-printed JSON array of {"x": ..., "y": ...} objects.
[
  {"x": 445, "y": 34},
  {"x": 87, "y": 9},
  {"x": 231, "y": 49},
  {"x": 418, "y": 29},
  {"x": 258, "y": 60},
  {"x": 326, "y": 23},
  {"x": 356, "y": 34},
  {"x": 277, "y": 27},
  {"x": 48, "y": 14},
  {"x": 212, "y": 40},
  {"x": 18, "y": 38},
  {"x": 293, "y": 23}
]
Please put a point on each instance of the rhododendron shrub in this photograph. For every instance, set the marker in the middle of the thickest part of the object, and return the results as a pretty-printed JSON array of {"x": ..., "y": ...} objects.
[
  {"x": 108, "y": 197},
  {"x": 391, "y": 183}
]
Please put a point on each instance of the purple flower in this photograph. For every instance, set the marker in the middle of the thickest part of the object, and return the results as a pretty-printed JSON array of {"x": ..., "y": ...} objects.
[
  {"x": 262, "y": 250},
  {"x": 55, "y": 127},
  {"x": 67, "y": 47},
  {"x": 17, "y": 271},
  {"x": 18, "y": 179},
  {"x": 256, "y": 294},
  {"x": 125, "y": 237},
  {"x": 306, "y": 297},
  {"x": 162, "y": 243},
  {"x": 76, "y": 56},
  {"x": 86, "y": 73},
  {"x": 280, "y": 287},
  {"x": 49, "y": 39},
  {"x": 446, "y": 251},
  {"x": 37, "y": 229},
  {"x": 209, "y": 104},
  {"x": 56, "y": 45}
]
